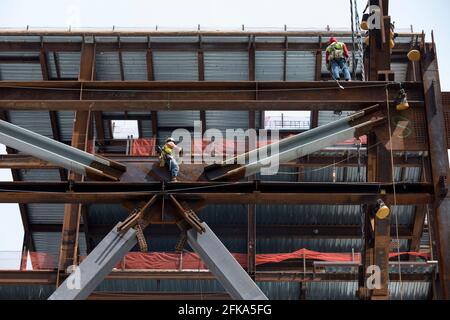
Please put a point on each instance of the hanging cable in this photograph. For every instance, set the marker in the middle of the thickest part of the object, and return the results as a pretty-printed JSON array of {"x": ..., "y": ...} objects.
[
  {"x": 359, "y": 42},
  {"x": 395, "y": 193},
  {"x": 354, "y": 63}
]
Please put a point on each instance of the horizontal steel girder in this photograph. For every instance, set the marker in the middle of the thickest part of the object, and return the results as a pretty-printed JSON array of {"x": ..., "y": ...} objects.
[
  {"x": 152, "y": 96},
  {"x": 256, "y": 192}
]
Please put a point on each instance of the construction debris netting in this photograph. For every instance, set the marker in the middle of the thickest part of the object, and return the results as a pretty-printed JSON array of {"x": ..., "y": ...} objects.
[{"x": 191, "y": 261}]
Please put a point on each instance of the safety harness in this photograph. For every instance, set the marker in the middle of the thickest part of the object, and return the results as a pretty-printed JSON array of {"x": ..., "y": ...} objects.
[{"x": 336, "y": 51}]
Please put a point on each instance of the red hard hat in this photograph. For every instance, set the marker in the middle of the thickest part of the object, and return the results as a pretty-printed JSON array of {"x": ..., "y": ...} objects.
[{"x": 332, "y": 40}]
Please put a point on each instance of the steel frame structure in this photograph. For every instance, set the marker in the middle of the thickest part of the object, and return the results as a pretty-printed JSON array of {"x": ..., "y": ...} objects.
[{"x": 89, "y": 97}]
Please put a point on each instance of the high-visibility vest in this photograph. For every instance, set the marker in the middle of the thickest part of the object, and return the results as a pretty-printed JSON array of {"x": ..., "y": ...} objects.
[
  {"x": 167, "y": 149},
  {"x": 336, "y": 50}
]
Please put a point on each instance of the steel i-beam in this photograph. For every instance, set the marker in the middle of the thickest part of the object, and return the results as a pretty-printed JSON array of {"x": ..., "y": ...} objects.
[
  {"x": 223, "y": 265},
  {"x": 59, "y": 153},
  {"x": 97, "y": 265}
]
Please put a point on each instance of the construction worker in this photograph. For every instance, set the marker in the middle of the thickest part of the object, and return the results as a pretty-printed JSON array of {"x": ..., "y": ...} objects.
[
  {"x": 168, "y": 153},
  {"x": 337, "y": 58}
]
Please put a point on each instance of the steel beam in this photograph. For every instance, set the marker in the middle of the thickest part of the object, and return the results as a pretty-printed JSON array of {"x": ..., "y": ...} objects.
[
  {"x": 91, "y": 272},
  {"x": 29, "y": 162},
  {"x": 294, "y": 232},
  {"x": 48, "y": 277},
  {"x": 223, "y": 265},
  {"x": 294, "y": 147},
  {"x": 238, "y": 193},
  {"x": 200, "y": 95},
  {"x": 58, "y": 153}
]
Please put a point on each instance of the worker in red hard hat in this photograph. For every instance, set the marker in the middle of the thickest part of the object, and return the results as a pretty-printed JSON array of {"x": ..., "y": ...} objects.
[{"x": 337, "y": 59}]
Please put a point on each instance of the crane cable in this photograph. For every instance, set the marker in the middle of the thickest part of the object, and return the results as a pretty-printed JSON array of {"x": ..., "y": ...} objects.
[{"x": 395, "y": 193}]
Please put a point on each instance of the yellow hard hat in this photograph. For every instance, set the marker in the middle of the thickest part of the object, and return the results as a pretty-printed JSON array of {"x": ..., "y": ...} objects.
[
  {"x": 383, "y": 212},
  {"x": 402, "y": 106},
  {"x": 364, "y": 24},
  {"x": 392, "y": 44},
  {"x": 414, "y": 55}
]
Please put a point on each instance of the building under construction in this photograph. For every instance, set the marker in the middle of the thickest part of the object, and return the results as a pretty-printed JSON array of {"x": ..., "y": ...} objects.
[{"x": 312, "y": 231}]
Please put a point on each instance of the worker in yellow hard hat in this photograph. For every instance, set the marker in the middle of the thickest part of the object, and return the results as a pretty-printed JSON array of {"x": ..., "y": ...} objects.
[
  {"x": 337, "y": 58},
  {"x": 168, "y": 157}
]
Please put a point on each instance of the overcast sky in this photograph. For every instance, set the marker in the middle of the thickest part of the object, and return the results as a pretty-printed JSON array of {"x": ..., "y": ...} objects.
[{"x": 210, "y": 14}]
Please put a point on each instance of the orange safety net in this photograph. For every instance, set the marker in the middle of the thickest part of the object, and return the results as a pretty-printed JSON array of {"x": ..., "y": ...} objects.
[{"x": 190, "y": 260}]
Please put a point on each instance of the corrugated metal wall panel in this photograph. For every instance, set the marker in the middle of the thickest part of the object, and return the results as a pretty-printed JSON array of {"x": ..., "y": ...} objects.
[
  {"x": 230, "y": 214},
  {"x": 20, "y": 39},
  {"x": 269, "y": 39},
  {"x": 223, "y": 39},
  {"x": 40, "y": 175},
  {"x": 400, "y": 69},
  {"x": 106, "y": 214},
  {"x": 68, "y": 63},
  {"x": 135, "y": 65},
  {"x": 20, "y": 72},
  {"x": 301, "y": 66},
  {"x": 65, "y": 122},
  {"x": 107, "y": 66},
  {"x": 26, "y": 292},
  {"x": 269, "y": 65},
  {"x": 106, "y": 39},
  {"x": 226, "y": 66},
  {"x": 326, "y": 290},
  {"x": 130, "y": 285},
  {"x": 134, "y": 39},
  {"x": 174, "y": 119},
  {"x": 303, "y": 39},
  {"x": 50, "y": 242},
  {"x": 280, "y": 290},
  {"x": 223, "y": 120},
  {"x": 106, "y": 127},
  {"x": 175, "y": 66},
  {"x": 36, "y": 121},
  {"x": 62, "y": 39},
  {"x": 146, "y": 128},
  {"x": 51, "y": 213},
  {"x": 409, "y": 290},
  {"x": 308, "y": 215},
  {"x": 405, "y": 215},
  {"x": 175, "y": 39}
]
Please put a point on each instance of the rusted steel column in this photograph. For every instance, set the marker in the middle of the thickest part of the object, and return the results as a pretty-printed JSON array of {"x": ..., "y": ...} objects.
[
  {"x": 379, "y": 44},
  {"x": 251, "y": 241},
  {"x": 72, "y": 212},
  {"x": 377, "y": 232},
  {"x": 439, "y": 164}
]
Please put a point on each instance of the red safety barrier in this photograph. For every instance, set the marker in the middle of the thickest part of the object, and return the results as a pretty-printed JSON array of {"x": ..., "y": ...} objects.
[
  {"x": 190, "y": 260},
  {"x": 143, "y": 147}
]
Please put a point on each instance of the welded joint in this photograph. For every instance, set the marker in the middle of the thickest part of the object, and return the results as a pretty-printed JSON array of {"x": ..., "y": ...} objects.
[{"x": 188, "y": 215}]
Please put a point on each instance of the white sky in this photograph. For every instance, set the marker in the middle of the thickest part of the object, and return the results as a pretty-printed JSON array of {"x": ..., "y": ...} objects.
[{"x": 210, "y": 14}]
